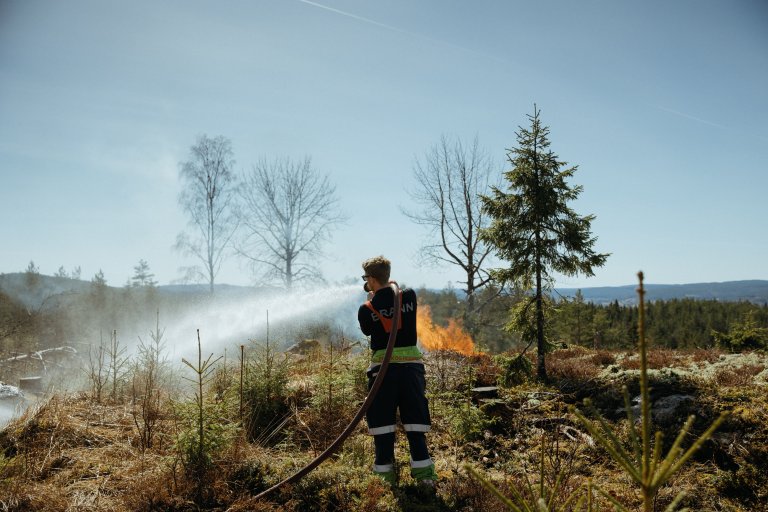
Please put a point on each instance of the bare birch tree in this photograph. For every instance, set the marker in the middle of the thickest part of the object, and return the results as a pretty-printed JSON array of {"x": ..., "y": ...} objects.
[
  {"x": 450, "y": 177},
  {"x": 209, "y": 185},
  {"x": 287, "y": 212}
]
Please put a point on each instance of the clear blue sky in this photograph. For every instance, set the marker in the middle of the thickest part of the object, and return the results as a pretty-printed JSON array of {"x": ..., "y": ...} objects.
[{"x": 663, "y": 105}]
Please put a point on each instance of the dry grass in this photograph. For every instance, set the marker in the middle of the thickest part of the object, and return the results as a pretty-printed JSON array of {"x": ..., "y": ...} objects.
[
  {"x": 657, "y": 359},
  {"x": 87, "y": 452},
  {"x": 72, "y": 454},
  {"x": 742, "y": 376},
  {"x": 603, "y": 358},
  {"x": 572, "y": 364},
  {"x": 706, "y": 355}
]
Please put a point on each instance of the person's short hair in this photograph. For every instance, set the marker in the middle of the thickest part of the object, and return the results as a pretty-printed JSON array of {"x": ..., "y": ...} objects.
[{"x": 378, "y": 268}]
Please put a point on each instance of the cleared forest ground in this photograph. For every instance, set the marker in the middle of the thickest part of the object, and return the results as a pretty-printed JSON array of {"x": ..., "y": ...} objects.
[{"x": 72, "y": 453}]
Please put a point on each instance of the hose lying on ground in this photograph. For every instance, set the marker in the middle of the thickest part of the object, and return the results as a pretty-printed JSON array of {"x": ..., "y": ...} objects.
[{"x": 363, "y": 408}]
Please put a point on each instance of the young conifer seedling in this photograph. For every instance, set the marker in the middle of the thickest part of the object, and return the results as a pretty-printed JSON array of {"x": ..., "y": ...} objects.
[{"x": 644, "y": 463}]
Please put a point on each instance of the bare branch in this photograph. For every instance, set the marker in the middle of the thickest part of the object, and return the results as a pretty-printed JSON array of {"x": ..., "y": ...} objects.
[
  {"x": 287, "y": 211},
  {"x": 450, "y": 178}
]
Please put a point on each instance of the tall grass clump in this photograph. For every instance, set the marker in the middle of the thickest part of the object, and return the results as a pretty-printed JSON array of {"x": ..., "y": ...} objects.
[{"x": 551, "y": 492}]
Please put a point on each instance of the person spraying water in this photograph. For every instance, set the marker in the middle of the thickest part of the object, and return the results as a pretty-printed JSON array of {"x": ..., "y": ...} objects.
[
  {"x": 404, "y": 385},
  {"x": 372, "y": 392}
]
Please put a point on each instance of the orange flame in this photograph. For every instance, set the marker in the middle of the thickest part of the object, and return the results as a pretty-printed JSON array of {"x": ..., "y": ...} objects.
[{"x": 435, "y": 337}]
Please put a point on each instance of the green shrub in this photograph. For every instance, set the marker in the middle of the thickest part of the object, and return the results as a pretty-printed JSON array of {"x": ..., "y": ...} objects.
[
  {"x": 265, "y": 395},
  {"x": 251, "y": 477},
  {"x": 744, "y": 335},
  {"x": 466, "y": 421},
  {"x": 338, "y": 392},
  {"x": 515, "y": 369}
]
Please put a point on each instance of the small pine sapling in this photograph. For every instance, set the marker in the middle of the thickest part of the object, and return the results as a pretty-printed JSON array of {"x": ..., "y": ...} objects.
[{"x": 644, "y": 463}]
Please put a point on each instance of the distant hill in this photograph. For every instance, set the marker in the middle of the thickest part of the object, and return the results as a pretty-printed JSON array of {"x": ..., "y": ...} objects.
[
  {"x": 755, "y": 291},
  {"x": 47, "y": 288},
  {"x": 42, "y": 288}
]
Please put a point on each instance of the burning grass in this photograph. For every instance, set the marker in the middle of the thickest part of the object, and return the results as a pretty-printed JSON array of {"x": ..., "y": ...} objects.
[{"x": 435, "y": 337}]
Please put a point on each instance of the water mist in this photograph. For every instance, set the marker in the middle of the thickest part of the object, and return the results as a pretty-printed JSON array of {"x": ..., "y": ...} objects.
[{"x": 228, "y": 323}]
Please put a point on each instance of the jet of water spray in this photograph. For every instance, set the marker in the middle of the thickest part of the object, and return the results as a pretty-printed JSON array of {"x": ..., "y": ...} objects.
[{"x": 228, "y": 323}]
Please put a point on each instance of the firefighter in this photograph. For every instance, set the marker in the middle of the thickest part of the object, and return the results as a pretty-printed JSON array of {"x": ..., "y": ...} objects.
[{"x": 404, "y": 383}]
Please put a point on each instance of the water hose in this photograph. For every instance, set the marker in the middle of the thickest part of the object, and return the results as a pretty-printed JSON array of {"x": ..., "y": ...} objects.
[{"x": 363, "y": 408}]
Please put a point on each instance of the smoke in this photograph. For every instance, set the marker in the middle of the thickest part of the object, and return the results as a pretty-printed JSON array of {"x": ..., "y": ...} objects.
[{"x": 7, "y": 413}]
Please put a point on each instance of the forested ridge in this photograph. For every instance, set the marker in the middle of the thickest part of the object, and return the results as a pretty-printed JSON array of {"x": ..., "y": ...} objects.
[
  {"x": 40, "y": 311},
  {"x": 683, "y": 323}
]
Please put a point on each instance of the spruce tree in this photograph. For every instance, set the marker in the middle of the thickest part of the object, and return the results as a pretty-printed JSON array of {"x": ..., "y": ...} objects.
[
  {"x": 142, "y": 277},
  {"x": 533, "y": 228}
]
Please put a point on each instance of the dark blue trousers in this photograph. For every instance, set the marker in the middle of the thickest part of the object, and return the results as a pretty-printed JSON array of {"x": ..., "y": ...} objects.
[{"x": 403, "y": 390}]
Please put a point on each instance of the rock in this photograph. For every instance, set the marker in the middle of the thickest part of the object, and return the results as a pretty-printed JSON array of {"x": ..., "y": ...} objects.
[
  {"x": 670, "y": 408},
  {"x": 664, "y": 410}
]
